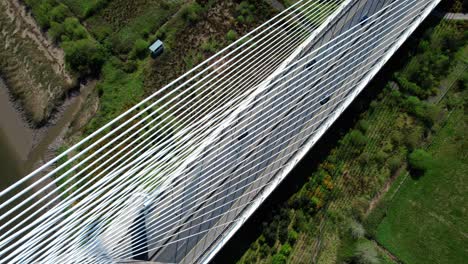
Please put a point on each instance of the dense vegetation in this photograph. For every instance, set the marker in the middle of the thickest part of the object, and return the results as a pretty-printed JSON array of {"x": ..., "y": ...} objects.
[
  {"x": 84, "y": 55},
  {"x": 134, "y": 26},
  {"x": 432, "y": 203},
  {"x": 109, "y": 40},
  {"x": 340, "y": 191}
]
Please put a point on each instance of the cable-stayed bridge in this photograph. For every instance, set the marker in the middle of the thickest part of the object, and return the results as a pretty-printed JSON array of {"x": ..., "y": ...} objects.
[{"x": 174, "y": 177}]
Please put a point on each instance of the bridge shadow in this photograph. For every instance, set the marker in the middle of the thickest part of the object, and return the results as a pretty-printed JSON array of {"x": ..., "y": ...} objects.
[{"x": 252, "y": 229}]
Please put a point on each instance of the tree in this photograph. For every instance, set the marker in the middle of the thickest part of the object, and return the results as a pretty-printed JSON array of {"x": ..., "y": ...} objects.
[
  {"x": 84, "y": 56},
  {"x": 356, "y": 229},
  {"x": 414, "y": 106},
  {"x": 279, "y": 258},
  {"x": 357, "y": 139},
  {"x": 366, "y": 253},
  {"x": 231, "y": 35},
  {"x": 140, "y": 48},
  {"x": 73, "y": 29},
  {"x": 59, "y": 13},
  {"x": 41, "y": 13},
  {"x": 191, "y": 12},
  {"x": 419, "y": 161}
]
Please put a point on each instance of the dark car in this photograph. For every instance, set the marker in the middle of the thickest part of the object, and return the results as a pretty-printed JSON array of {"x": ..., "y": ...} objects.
[
  {"x": 363, "y": 20},
  {"x": 242, "y": 136},
  {"x": 325, "y": 99},
  {"x": 310, "y": 64}
]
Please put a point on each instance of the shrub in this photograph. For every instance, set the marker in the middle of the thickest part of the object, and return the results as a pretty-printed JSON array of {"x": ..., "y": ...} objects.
[
  {"x": 102, "y": 32},
  {"x": 231, "y": 35},
  {"x": 41, "y": 11},
  {"x": 292, "y": 237},
  {"x": 140, "y": 49},
  {"x": 419, "y": 161},
  {"x": 356, "y": 230},
  {"x": 210, "y": 46},
  {"x": 73, "y": 29},
  {"x": 410, "y": 87},
  {"x": 363, "y": 126},
  {"x": 279, "y": 258},
  {"x": 245, "y": 11},
  {"x": 118, "y": 44},
  {"x": 56, "y": 31},
  {"x": 357, "y": 139},
  {"x": 394, "y": 164},
  {"x": 191, "y": 12},
  {"x": 380, "y": 156},
  {"x": 414, "y": 106},
  {"x": 366, "y": 253},
  {"x": 130, "y": 66},
  {"x": 285, "y": 250},
  {"x": 264, "y": 249},
  {"x": 412, "y": 139},
  {"x": 59, "y": 13},
  {"x": 431, "y": 112},
  {"x": 84, "y": 56}
]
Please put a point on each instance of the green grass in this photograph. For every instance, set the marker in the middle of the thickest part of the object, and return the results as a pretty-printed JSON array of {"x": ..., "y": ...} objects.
[
  {"x": 426, "y": 221},
  {"x": 84, "y": 8},
  {"x": 122, "y": 22},
  {"x": 119, "y": 91}
]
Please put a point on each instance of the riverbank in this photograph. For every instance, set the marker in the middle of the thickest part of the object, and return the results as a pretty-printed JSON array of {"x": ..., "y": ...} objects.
[
  {"x": 26, "y": 147},
  {"x": 31, "y": 65}
]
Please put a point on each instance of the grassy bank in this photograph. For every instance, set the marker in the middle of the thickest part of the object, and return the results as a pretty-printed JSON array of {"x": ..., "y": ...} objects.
[
  {"x": 108, "y": 40},
  {"x": 330, "y": 212},
  {"x": 31, "y": 71}
]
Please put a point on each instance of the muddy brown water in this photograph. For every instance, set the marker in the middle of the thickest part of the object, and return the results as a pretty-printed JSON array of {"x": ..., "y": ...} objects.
[
  {"x": 22, "y": 148},
  {"x": 15, "y": 140}
]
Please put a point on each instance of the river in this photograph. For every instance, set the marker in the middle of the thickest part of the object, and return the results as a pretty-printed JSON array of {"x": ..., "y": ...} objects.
[
  {"x": 16, "y": 140},
  {"x": 22, "y": 148}
]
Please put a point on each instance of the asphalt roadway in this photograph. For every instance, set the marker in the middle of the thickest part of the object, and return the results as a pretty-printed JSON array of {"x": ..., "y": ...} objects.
[{"x": 259, "y": 156}]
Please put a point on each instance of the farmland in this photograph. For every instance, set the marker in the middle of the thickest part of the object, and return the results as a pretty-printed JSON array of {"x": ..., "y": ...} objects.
[
  {"x": 336, "y": 216},
  {"x": 426, "y": 219}
]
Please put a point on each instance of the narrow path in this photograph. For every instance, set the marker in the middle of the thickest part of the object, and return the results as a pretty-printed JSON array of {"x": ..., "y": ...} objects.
[
  {"x": 385, "y": 251},
  {"x": 373, "y": 203},
  {"x": 451, "y": 16}
]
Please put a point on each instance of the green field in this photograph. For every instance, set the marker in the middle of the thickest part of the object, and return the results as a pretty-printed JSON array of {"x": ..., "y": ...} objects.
[
  {"x": 84, "y": 8},
  {"x": 427, "y": 221},
  {"x": 345, "y": 199}
]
